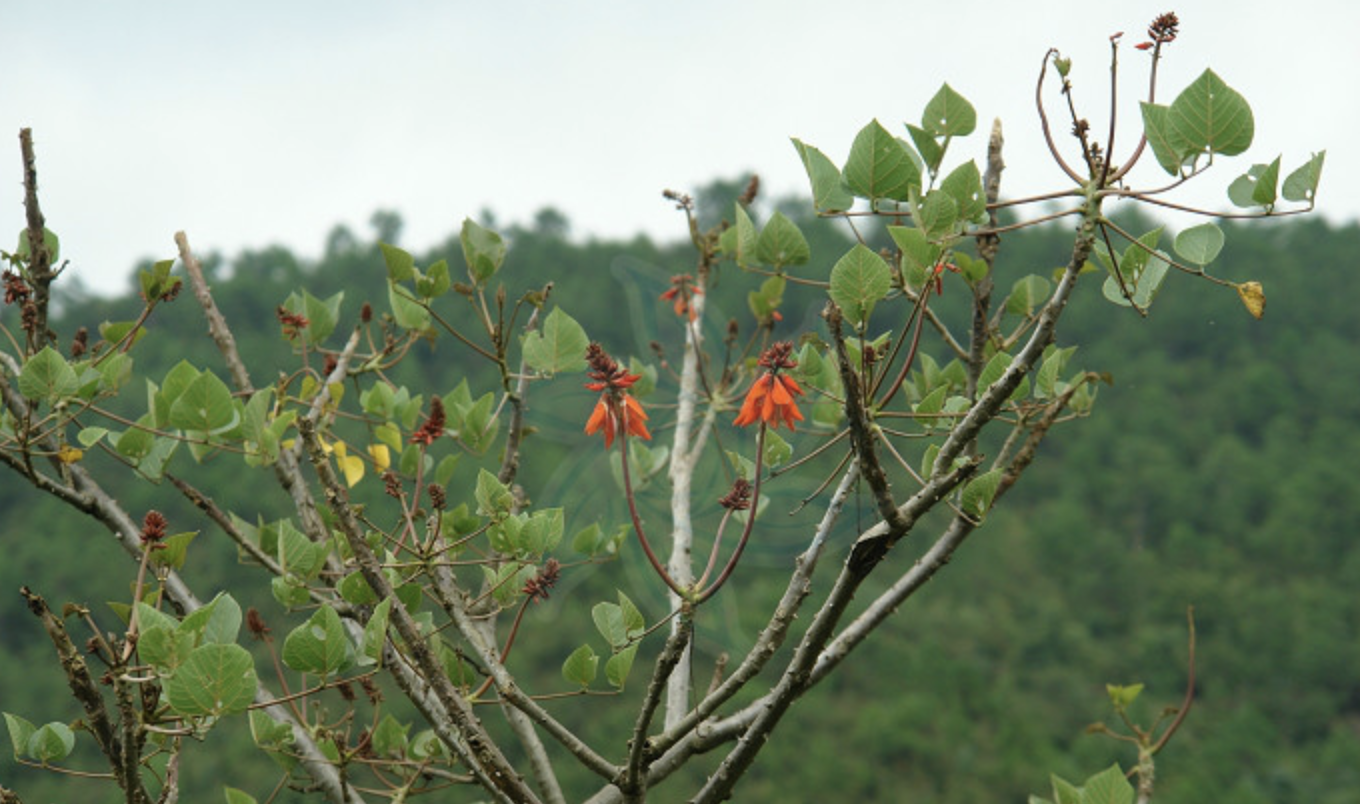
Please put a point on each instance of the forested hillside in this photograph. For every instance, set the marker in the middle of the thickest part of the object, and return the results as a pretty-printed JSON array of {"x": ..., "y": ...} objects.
[{"x": 1217, "y": 471}]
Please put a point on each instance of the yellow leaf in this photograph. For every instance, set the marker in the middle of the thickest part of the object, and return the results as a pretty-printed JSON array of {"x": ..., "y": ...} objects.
[
  {"x": 70, "y": 454},
  {"x": 1253, "y": 297},
  {"x": 382, "y": 457},
  {"x": 353, "y": 467}
]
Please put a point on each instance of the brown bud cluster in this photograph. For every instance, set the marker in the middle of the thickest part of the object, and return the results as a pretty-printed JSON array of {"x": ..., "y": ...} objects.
[
  {"x": 433, "y": 427},
  {"x": 153, "y": 527},
  {"x": 739, "y": 497},
  {"x": 538, "y": 587}
]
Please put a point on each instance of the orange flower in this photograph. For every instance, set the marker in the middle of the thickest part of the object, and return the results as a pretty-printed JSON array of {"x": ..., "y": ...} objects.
[
  {"x": 771, "y": 398},
  {"x": 681, "y": 291},
  {"x": 615, "y": 416},
  {"x": 617, "y": 411}
]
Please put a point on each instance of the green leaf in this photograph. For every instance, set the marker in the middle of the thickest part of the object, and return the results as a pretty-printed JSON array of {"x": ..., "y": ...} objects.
[
  {"x": 426, "y": 745},
  {"x": 964, "y": 185},
  {"x": 390, "y": 737},
  {"x": 1123, "y": 696},
  {"x": 765, "y": 301},
  {"x": 581, "y": 666},
  {"x": 400, "y": 264},
  {"x": 994, "y": 369},
  {"x": 919, "y": 253},
  {"x": 949, "y": 114},
  {"x": 115, "y": 331},
  {"x": 164, "y": 648},
  {"x": 880, "y": 166},
  {"x": 937, "y": 214},
  {"x": 559, "y": 345},
  {"x": 157, "y": 282},
  {"x": 1210, "y": 115},
  {"x": 493, "y": 497},
  {"x": 375, "y": 631},
  {"x": 618, "y": 667},
  {"x": 587, "y": 540},
  {"x": 205, "y": 406},
  {"x": 47, "y": 376},
  {"x": 354, "y": 589},
  {"x": 215, "y": 680},
  {"x": 858, "y": 281},
  {"x": 288, "y": 590},
  {"x": 483, "y": 250},
  {"x": 52, "y": 742},
  {"x": 1064, "y": 792},
  {"x": 1258, "y": 183},
  {"x": 1054, "y": 363},
  {"x": 435, "y": 282},
  {"x": 299, "y": 555},
  {"x": 781, "y": 243},
  {"x": 633, "y": 621},
  {"x": 1200, "y": 244},
  {"x": 1169, "y": 147},
  {"x": 978, "y": 494},
  {"x": 543, "y": 531},
  {"x": 1266, "y": 190},
  {"x": 50, "y": 242},
  {"x": 777, "y": 450},
  {"x": 150, "y": 617},
  {"x": 1302, "y": 184},
  {"x": 931, "y": 151},
  {"x": 829, "y": 191},
  {"x": 222, "y": 623},
  {"x": 1027, "y": 294},
  {"x": 321, "y": 315},
  {"x": 319, "y": 646},
  {"x": 20, "y": 730},
  {"x": 747, "y": 238},
  {"x": 1110, "y": 786},
  {"x": 173, "y": 550},
  {"x": 406, "y": 311},
  {"x": 608, "y": 619},
  {"x": 235, "y": 796}
]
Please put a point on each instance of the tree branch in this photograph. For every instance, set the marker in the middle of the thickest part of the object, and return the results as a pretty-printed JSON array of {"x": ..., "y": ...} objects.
[
  {"x": 478, "y": 750},
  {"x": 39, "y": 258}
]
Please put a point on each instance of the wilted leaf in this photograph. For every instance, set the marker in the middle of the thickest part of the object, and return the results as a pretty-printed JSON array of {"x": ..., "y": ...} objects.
[{"x": 1253, "y": 298}]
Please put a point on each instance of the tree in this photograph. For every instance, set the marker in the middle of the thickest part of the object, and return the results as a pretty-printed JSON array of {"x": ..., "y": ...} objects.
[{"x": 415, "y": 552}]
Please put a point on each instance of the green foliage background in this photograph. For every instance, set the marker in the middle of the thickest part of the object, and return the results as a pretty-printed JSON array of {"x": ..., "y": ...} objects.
[{"x": 1218, "y": 471}]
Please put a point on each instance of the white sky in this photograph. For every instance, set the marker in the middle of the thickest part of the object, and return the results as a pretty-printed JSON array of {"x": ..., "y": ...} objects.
[{"x": 250, "y": 123}]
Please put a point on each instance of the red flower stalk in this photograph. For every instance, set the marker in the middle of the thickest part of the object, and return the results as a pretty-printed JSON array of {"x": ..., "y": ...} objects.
[
  {"x": 771, "y": 398},
  {"x": 617, "y": 411},
  {"x": 433, "y": 427},
  {"x": 681, "y": 292}
]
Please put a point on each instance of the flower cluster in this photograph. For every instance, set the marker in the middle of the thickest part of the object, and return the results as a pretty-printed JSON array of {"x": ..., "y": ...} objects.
[
  {"x": 293, "y": 323},
  {"x": 617, "y": 411},
  {"x": 538, "y": 587},
  {"x": 433, "y": 427},
  {"x": 771, "y": 398},
  {"x": 681, "y": 292},
  {"x": 1162, "y": 31},
  {"x": 739, "y": 497},
  {"x": 153, "y": 527}
]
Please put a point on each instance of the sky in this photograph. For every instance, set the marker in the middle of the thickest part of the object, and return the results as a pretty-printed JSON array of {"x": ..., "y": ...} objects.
[{"x": 253, "y": 123}]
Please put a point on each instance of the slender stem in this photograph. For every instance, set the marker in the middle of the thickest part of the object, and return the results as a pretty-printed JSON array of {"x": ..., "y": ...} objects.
[
  {"x": 1043, "y": 120},
  {"x": 750, "y": 523},
  {"x": 637, "y": 520}
]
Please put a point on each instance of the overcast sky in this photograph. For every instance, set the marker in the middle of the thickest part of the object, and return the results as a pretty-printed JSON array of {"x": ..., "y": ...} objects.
[{"x": 251, "y": 123}]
